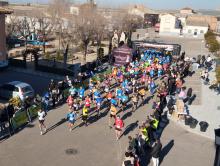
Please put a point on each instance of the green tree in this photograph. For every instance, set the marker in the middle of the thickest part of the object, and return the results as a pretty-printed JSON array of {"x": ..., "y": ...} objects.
[{"x": 214, "y": 46}]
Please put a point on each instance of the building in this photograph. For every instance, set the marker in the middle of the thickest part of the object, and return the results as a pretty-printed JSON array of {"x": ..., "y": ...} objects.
[
  {"x": 187, "y": 11},
  {"x": 210, "y": 20},
  {"x": 139, "y": 10},
  {"x": 195, "y": 28},
  {"x": 170, "y": 25},
  {"x": 182, "y": 25},
  {"x": 3, "y": 3},
  {"x": 139, "y": 35},
  {"x": 3, "y": 50},
  {"x": 151, "y": 19},
  {"x": 218, "y": 25},
  {"x": 74, "y": 10}
]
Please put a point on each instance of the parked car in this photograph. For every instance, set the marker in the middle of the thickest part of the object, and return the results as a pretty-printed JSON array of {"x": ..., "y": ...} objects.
[{"x": 16, "y": 89}]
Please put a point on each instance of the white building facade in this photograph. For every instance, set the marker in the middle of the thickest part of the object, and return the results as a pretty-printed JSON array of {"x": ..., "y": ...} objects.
[
  {"x": 169, "y": 25},
  {"x": 195, "y": 31}
]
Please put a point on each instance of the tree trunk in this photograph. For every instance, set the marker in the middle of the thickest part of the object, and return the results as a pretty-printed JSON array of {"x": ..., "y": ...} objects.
[
  {"x": 65, "y": 56},
  {"x": 85, "y": 53},
  {"x": 44, "y": 44},
  {"x": 25, "y": 43}
]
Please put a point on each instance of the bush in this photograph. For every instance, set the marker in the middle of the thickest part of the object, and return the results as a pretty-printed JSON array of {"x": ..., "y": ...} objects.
[
  {"x": 210, "y": 38},
  {"x": 218, "y": 73},
  {"x": 16, "y": 102}
]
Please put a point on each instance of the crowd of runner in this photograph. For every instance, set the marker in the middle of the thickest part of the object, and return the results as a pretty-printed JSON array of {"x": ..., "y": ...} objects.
[{"x": 152, "y": 75}]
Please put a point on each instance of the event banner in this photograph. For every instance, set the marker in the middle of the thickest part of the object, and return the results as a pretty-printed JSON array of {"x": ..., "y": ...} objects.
[
  {"x": 19, "y": 119},
  {"x": 33, "y": 111}
]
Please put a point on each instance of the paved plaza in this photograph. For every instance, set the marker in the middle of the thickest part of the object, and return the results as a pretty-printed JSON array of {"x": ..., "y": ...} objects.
[{"x": 96, "y": 144}]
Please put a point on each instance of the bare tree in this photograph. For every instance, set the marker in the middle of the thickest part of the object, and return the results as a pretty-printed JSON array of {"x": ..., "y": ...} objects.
[
  {"x": 85, "y": 26},
  {"x": 11, "y": 26},
  {"x": 57, "y": 8},
  {"x": 46, "y": 28},
  {"x": 99, "y": 29},
  {"x": 25, "y": 27},
  {"x": 130, "y": 23}
]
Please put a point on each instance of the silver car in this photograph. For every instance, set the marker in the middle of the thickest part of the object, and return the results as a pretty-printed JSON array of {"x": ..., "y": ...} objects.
[{"x": 16, "y": 89}]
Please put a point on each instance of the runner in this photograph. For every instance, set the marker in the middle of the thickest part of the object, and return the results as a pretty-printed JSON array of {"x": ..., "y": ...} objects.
[
  {"x": 119, "y": 124},
  {"x": 81, "y": 95},
  {"x": 134, "y": 102},
  {"x": 41, "y": 118},
  {"x": 71, "y": 117},
  {"x": 70, "y": 101},
  {"x": 98, "y": 102},
  {"x": 113, "y": 112},
  {"x": 87, "y": 102},
  {"x": 85, "y": 116},
  {"x": 142, "y": 94}
]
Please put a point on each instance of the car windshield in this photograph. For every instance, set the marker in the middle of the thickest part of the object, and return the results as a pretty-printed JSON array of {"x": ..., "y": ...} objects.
[{"x": 26, "y": 89}]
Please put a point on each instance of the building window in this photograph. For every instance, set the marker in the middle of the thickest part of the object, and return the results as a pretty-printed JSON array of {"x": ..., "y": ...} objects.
[
  {"x": 189, "y": 31},
  {"x": 201, "y": 31}
]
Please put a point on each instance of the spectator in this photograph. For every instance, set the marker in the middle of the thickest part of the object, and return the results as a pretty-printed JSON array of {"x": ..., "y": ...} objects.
[
  {"x": 129, "y": 160},
  {"x": 155, "y": 153}
]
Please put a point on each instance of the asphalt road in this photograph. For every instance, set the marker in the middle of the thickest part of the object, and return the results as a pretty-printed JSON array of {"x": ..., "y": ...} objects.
[
  {"x": 96, "y": 144},
  {"x": 40, "y": 84}
]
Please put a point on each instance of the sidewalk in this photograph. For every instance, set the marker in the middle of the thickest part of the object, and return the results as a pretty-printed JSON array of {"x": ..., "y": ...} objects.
[{"x": 208, "y": 109}]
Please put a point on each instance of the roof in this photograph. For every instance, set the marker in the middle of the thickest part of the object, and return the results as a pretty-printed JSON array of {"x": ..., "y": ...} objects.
[
  {"x": 186, "y": 8},
  {"x": 167, "y": 14},
  {"x": 5, "y": 10},
  {"x": 196, "y": 23}
]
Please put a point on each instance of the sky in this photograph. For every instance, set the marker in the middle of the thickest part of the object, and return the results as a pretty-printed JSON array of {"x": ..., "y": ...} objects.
[{"x": 154, "y": 4}]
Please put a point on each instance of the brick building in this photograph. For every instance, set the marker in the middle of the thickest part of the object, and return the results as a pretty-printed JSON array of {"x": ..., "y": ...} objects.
[{"x": 3, "y": 50}]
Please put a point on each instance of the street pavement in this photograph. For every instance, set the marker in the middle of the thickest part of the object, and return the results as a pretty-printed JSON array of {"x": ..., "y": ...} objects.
[
  {"x": 206, "y": 106},
  {"x": 96, "y": 144},
  {"x": 208, "y": 110},
  {"x": 39, "y": 83}
]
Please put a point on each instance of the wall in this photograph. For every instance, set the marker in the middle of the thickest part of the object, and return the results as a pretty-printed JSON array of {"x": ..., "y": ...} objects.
[
  {"x": 211, "y": 20},
  {"x": 193, "y": 28},
  {"x": 186, "y": 11},
  {"x": 167, "y": 24},
  {"x": 2, "y": 38}
]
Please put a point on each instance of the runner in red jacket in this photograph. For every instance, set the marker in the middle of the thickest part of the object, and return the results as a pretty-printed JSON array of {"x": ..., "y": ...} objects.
[
  {"x": 119, "y": 124},
  {"x": 70, "y": 101}
]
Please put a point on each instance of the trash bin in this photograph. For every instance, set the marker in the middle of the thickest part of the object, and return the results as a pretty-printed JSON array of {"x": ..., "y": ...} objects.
[
  {"x": 188, "y": 121},
  {"x": 217, "y": 137},
  {"x": 193, "y": 123},
  {"x": 217, "y": 142},
  {"x": 203, "y": 126}
]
